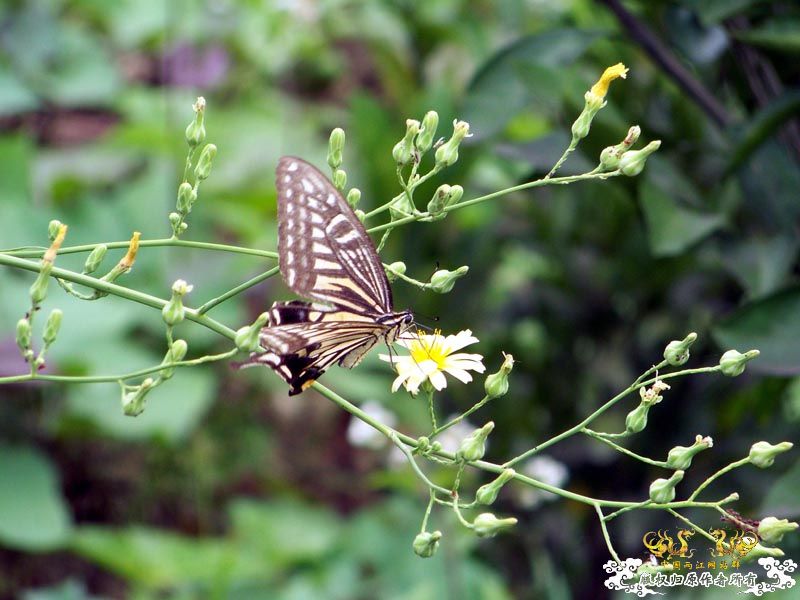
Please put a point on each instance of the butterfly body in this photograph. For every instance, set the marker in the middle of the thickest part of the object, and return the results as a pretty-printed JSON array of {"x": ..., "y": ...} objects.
[{"x": 325, "y": 254}]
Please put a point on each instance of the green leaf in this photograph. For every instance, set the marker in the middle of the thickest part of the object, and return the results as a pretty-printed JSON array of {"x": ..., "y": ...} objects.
[
  {"x": 156, "y": 558},
  {"x": 763, "y": 125},
  {"x": 714, "y": 11},
  {"x": 671, "y": 228},
  {"x": 782, "y": 35},
  {"x": 284, "y": 532},
  {"x": 15, "y": 97},
  {"x": 771, "y": 325},
  {"x": 33, "y": 514},
  {"x": 762, "y": 264},
  {"x": 522, "y": 74}
]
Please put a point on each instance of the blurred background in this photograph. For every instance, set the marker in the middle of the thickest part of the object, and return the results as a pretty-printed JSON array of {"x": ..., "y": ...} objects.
[{"x": 225, "y": 487}]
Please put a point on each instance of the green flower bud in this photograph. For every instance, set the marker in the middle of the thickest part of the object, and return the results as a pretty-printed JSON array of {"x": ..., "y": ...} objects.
[
  {"x": 436, "y": 447},
  {"x": 456, "y": 191},
  {"x": 196, "y": 131},
  {"x": 174, "y": 219},
  {"x": 771, "y": 529},
  {"x": 732, "y": 363},
  {"x": 24, "y": 336},
  {"x": 582, "y": 125},
  {"x": 52, "y": 326},
  {"x": 496, "y": 384},
  {"x": 174, "y": 312},
  {"x": 487, "y": 494},
  {"x": 360, "y": 215},
  {"x": 632, "y": 162},
  {"x": 447, "y": 153},
  {"x": 760, "y": 551},
  {"x": 423, "y": 444},
  {"x": 133, "y": 401},
  {"x": 439, "y": 201},
  {"x": 610, "y": 156},
  {"x": 426, "y": 134},
  {"x": 394, "y": 270},
  {"x": 680, "y": 457},
  {"x": 247, "y": 337},
  {"x": 662, "y": 491},
  {"x": 38, "y": 290},
  {"x": 473, "y": 447},
  {"x": 203, "y": 168},
  {"x": 353, "y": 197},
  {"x": 186, "y": 197},
  {"x": 335, "y": 147},
  {"x": 636, "y": 420},
  {"x": 94, "y": 259},
  {"x": 762, "y": 454},
  {"x": 53, "y": 227},
  {"x": 442, "y": 281},
  {"x": 175, "y": 353},
  {"x": 403, "y": 151},
  {"x": 426, "y": 543},
  {"x": 677, "y": 352},
  {"x": 339, "y": 179},
  {"x": 487, "y": 525}
]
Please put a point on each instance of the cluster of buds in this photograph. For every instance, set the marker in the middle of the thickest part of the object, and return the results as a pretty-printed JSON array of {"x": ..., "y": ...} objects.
[
  {"x": 187, "y": 193},
  {"x": 636, "y": 420}
]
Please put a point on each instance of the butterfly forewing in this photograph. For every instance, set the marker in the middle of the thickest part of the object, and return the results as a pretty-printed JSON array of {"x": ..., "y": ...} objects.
[
  {"x": 324, "y": 250},
  {"x": 325, "y": 254}
]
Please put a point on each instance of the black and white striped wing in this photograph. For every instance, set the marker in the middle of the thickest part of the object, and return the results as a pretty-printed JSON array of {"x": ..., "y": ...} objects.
[
  {"x": 300, "y": 352},
  {"x": 324, "y": 250}
]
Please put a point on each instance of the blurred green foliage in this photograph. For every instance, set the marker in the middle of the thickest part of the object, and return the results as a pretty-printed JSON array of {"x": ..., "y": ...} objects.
[{"x": 225, "y": 488}]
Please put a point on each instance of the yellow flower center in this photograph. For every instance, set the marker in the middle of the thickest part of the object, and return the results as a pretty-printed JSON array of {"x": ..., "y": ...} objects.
[
  {"x": 429, "y": 347},
  {"x": 600, "y": 89}
]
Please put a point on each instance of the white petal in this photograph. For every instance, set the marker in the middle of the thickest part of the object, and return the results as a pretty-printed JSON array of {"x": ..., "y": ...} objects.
[
  {"x": 459, "y": 374},
  {"x": 438, "y": 380},
  {"x": 458, "y": 341}
]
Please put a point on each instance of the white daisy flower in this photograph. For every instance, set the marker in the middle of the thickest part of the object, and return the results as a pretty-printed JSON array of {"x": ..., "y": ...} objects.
[{"x": 432, "y": 355}]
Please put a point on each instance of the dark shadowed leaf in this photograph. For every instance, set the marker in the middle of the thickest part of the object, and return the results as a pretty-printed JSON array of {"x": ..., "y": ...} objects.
[{"x": 771, "y": 325}]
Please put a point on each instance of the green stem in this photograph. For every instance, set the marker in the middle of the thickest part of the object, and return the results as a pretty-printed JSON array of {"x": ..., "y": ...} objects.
[
  {"x": 201, "y": 310},
  {"x": 604, "y": 528},
  {"x": 457, "y": 510},
  {"x": 495, "y": 468},
  {"x": 432, "y": 486},
  {"x": 432, "y": 410},
  {"x": 516, "y": 188},
  {"x": 696, "y": 528},
  {"x": 717, "y": 475},
  {"x": 459, "y": 418},
  {"x": 601, "y": 437},
  {"x": 122, "y": 377},
  {"x": 116, "y": 290},
  {"x": 572, "y": 145},
  {"x": 157, "y": 243},
  {"x": 622, "y": 511},
  {"x": 424, "y": 527}
]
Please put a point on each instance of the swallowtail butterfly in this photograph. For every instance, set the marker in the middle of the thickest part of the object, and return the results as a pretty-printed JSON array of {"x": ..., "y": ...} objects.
[{"x": 325, "y": 254}]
